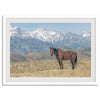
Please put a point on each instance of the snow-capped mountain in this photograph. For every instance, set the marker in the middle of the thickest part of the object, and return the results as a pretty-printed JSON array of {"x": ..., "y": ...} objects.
[
  {"x": 45, "y": 35},
  {"x": 40, "y": 40},
  {"x": 40, "y": 33},
  {"x": 86, "y": 34},
  {"x": 18, "y": 32}
]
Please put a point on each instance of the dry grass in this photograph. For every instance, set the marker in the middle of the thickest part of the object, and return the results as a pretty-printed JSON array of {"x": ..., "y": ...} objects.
[{"x": 50, "y": 68}]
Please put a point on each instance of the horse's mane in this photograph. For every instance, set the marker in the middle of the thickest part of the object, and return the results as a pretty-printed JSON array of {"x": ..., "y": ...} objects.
[{"x": 56, "y": 50}]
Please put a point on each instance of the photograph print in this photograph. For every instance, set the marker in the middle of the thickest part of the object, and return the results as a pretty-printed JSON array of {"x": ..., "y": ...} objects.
[{"x": 50, "y": 49}]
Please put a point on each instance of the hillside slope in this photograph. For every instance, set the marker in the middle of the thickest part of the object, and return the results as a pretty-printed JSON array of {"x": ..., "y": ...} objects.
[{"x": 30, "y": 56}]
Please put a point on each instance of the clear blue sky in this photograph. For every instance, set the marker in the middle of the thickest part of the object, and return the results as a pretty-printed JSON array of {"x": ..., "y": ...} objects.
[{"x": 59, "y": 27}]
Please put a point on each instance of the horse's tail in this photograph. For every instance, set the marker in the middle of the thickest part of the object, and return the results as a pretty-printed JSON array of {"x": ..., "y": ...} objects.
[{"x": 76, "y": 59}]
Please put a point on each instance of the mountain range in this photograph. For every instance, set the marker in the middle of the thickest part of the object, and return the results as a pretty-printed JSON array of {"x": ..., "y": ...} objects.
[
  {"x": 41, "y": 39},
  {"x": 30, "y": 56}
]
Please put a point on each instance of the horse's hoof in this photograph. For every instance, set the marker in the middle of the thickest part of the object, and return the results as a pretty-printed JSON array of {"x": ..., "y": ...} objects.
[{"x": 72, "y": 68}]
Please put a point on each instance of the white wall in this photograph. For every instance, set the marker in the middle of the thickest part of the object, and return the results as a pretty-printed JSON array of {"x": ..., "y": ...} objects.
[{"x": 49, "y": 8}]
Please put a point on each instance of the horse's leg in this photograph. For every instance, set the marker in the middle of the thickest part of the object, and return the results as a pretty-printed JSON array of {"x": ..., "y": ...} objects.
[
  {"x": 60, "y": 63},
  {"x": 61, "y": 66},
  {"x": 72, "y": 64},
  {"x": 73, "y": 60}
]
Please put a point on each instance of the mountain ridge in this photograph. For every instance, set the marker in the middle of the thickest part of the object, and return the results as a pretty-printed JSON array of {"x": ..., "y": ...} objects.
[
  {"x": 41, "y": 39},
  {"x": 43, "y": 34},
  {"x": 30, "y": 56}
]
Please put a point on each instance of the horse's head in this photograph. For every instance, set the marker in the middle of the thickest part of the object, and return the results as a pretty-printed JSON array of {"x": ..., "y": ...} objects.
[{"x": 51, "y": 51}]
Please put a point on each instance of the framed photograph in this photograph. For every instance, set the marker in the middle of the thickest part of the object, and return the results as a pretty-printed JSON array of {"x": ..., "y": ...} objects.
[{"x": 49, "y": 51}]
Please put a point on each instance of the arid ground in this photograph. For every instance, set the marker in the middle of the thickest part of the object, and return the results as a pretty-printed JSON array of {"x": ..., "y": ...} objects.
[{"x": 50, "y": 68}]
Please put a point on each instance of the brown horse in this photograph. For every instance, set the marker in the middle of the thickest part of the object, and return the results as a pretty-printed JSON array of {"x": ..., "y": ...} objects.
[{"x": 64, "y": 55}]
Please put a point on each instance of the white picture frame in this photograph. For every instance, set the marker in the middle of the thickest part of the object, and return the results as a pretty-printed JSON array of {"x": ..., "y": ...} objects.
[{"x": 27, "y": 81}]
